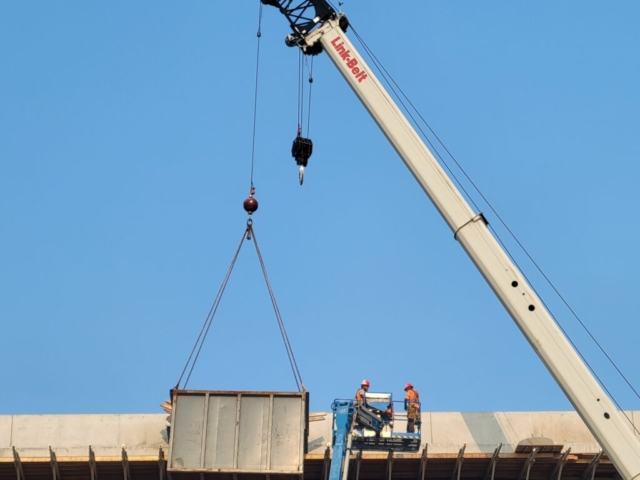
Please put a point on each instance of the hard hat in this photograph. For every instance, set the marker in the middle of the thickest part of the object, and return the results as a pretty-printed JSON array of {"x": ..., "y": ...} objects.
[
  {"x": 364, "y": 383},
  {"x": 407, "y": 387}
]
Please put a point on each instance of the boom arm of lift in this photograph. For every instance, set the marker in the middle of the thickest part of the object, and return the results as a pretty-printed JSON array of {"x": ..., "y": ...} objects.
[
  {"x": 606, "y": 423},
  {"x": 344, "y": 421}
]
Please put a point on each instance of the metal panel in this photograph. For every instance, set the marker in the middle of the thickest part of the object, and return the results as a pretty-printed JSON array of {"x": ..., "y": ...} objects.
[
  {"x": 287, "y": 414},
  {"x": 221, "y": 432},
  {"x": 253, "y": 435},
  {"x": 185, "y": 449},
  {"x": 238, "y": 432}
]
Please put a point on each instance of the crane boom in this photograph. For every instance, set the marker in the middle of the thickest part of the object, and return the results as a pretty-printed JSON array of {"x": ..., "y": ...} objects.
[{"x": 608, "y": 425}]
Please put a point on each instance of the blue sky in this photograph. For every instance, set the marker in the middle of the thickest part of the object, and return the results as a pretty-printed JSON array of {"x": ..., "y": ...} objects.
[{"x": 125, "y": 156}]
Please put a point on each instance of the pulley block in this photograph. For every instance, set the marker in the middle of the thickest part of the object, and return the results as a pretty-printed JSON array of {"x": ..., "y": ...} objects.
[{"x": 301, "y": 151}]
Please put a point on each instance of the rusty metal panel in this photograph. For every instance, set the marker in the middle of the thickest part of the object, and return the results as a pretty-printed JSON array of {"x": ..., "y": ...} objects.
[{"x": 238, "y": 432}]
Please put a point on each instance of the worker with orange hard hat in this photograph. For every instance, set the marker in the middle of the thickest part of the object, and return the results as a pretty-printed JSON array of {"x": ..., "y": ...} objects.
[
  {"x": 412, "y": 407},
  {"x": 364, "y": 388}
]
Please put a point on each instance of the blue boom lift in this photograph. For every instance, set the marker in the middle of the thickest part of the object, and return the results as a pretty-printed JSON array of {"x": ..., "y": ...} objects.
[{"x": 367, "y": 426}]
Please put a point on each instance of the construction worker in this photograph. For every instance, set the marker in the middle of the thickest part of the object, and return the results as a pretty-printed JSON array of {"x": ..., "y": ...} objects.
[
  {"x": 364, "y": 388},
  {"x": 412, "y": 407}
]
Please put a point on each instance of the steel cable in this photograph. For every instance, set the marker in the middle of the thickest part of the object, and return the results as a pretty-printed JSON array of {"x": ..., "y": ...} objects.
[
  {"x": 255, "y": 94},
  {"x": 310, "y": 67},
  {"x": 248, "y": 234},
  {"x": 209, "y": 319},
  {"x": 283, "y": 331}
]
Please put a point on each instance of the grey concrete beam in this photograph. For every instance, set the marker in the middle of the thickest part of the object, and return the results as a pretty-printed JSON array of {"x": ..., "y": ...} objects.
[
  {"x": 326, "y": 464},
  {"x": 557, "y": 470},
  {"x": 143, "y": 435},
  {"x": 590, "y": 472},
  {"x": 69, "y": 435},
  {"x": 390, "y": 465},
  {"x": 457, "y": 469},
  {"x": 423, "y": 464},
  {"x": 5, "y": 436},
  {"x": 18, "y": 464},
  {"x": 162, "y": 464},
  {"x": 491, "y": 469},
  {"x": 93, "y": 467},
  {"x": 126, "y": 472},
  {"x": 358, "y": 464},
  {"x": 526, "y": 469},
  {"x": 55, "y": 468}
]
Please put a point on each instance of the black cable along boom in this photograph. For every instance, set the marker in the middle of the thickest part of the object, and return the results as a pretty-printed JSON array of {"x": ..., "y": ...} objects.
[
  {"x": 402, "y": 98},
  {"x": 301, "y": 24}
]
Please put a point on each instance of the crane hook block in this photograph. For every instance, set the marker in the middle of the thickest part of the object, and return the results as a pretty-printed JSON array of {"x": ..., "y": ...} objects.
[{"x": 301, "y": 150}]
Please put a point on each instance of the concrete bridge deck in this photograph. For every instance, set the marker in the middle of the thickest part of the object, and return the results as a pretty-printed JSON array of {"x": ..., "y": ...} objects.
[{"x": 455, "y": 445}]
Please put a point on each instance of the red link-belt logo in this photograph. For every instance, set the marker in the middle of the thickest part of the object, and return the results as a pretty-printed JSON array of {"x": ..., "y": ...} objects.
[{"x": 352, "y": 63}]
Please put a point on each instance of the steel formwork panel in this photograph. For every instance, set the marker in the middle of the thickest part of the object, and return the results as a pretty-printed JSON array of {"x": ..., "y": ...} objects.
[{"x": 238, "y": 432}]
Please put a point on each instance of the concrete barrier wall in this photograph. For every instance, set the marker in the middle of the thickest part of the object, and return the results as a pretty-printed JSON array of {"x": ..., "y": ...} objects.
[
  {"x": 482, "y": 432},
  {"x": 143, "y": 435},
  {"x": 71, "y": 435}
]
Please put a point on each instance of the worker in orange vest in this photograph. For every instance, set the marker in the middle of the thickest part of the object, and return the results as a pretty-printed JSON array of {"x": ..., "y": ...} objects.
[
  {"x": 364, "y": 388},
  {"x": 412, "y": 407}
]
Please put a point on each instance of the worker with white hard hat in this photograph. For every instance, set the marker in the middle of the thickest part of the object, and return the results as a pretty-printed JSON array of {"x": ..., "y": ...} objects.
[{"x": 364, "y": 388}]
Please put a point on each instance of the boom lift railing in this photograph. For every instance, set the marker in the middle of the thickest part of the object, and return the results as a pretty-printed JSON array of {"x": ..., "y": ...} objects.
[{"x": 367, "y": 426}]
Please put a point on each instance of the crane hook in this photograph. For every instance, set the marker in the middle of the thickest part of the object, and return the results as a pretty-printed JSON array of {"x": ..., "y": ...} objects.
[{"x": 301, "y": 151}]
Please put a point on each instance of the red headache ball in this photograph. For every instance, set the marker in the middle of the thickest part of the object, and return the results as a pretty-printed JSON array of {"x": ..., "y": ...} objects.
[{"x": 250, "y": 205}]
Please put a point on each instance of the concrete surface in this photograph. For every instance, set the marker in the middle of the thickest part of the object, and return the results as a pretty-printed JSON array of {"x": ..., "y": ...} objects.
[
  {"x": 482, "y": 432},
  {"x": 71, "y": 435},
  {"x": 143, "y": 435}
]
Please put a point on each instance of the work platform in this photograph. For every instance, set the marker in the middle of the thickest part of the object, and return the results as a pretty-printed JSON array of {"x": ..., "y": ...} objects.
[{"x": 533, "y": 445}]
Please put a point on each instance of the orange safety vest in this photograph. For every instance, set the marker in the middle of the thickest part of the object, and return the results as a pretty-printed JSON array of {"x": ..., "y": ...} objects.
[
  {"x": 413, "y": 397},
  {"x": 360, "y": 396}
]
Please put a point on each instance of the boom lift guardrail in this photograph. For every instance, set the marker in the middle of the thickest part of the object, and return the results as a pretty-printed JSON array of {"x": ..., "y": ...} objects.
[
  {"x": 318, "y": 27},
  {"x": 367, "y": 426}
]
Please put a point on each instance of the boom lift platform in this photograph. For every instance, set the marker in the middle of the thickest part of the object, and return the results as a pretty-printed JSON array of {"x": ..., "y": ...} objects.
[{"x": 367, "y": 426}]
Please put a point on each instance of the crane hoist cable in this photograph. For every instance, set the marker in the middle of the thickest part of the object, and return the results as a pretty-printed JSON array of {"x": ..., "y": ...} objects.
[
  {"x": 304, "y": 62},
  {"x": 302, "y": 147},
  {"x": 250, "y": 205},
  {"x": 255, "y": 93},
  {"x": 310, "y": 67}
]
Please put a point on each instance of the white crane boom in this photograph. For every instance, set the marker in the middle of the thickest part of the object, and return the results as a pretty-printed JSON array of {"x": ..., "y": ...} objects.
[{"x": 607, "y": 424}]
